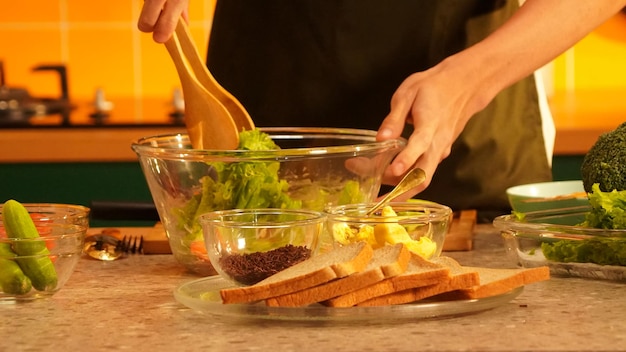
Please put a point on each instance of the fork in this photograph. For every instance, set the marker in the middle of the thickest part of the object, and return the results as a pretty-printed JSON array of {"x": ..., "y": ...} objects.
[{"x": 131, "y": 244}]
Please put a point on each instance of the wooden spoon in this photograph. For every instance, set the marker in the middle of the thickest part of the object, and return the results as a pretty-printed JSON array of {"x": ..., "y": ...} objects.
[{"x": 209, "y": 123}]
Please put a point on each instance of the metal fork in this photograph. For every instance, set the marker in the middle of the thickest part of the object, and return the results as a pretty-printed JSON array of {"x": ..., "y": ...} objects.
[{"x": 131, "y": 244}]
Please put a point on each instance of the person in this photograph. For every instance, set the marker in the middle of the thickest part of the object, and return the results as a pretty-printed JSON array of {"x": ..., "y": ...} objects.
[{"x": 454, "y": 77}]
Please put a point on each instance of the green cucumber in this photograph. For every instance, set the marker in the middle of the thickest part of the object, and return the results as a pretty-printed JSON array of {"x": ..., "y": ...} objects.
[
  {"x": 34, "y": 255},
  {"x": 12, "y": 278}
]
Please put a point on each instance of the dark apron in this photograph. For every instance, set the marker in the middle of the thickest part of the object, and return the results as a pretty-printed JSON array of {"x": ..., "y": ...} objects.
[{"x": 335, "y": 63}]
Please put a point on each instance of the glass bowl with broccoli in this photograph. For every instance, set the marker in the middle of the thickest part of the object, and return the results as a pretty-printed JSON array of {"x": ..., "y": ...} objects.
[
  {"x": 277, "y": 167},
  {"x": 584, "y": 241}
]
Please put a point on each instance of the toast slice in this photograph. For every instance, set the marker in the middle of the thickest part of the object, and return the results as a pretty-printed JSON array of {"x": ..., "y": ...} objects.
[
  {"x": 420, "y": 272},
  {"x": 387, "y": 261},
  {"x": 460, "y": 278},
  {"x": 498, "y": 281},
  {"x": 315, "y": 271}
]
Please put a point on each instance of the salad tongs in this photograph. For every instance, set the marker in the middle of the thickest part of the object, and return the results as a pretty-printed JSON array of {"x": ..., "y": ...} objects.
[{"x": 213, "y": 116}]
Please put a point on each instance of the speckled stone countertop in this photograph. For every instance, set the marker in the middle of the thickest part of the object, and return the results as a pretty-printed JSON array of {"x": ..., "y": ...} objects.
[{"x": 129, "y": 305}]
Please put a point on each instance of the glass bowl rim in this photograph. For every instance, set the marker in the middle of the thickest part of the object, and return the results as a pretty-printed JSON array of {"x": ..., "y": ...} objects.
[
  {"x": 510, "y": 222},
  {"x": 310, "y": 217},
  {"x": 55, "y": 211},
  {"x": 440, "y": 212},
  {"x": 142, "y": 146}
]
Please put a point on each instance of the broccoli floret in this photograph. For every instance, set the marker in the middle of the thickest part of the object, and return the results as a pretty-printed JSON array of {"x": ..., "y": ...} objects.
[{"x": 605, "y": 162}]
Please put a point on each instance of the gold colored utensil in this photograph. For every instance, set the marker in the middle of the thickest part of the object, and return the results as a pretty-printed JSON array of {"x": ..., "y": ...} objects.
[
  {"x": 213, "y": 116},
  {"x": 411, "y": 180}
]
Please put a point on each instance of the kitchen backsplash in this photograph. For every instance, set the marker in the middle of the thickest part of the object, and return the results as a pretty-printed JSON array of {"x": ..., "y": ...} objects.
[
  {"x": 99, "y": 43},
  {"x": 597, "y": 61}
]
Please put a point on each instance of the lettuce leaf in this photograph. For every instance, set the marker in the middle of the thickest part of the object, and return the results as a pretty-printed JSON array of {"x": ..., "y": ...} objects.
[
  {"x": 602, "y": 251},
  {"x": 239, "y": 185},
  {"x": 608, "y": 209}
]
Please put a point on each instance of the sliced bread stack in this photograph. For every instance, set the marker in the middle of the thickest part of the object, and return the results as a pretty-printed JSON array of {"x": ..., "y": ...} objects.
[
  {"x": 315, "y": 271},
  {"x": 357, "y": 275},
  {"x": 387, "y": 261}
]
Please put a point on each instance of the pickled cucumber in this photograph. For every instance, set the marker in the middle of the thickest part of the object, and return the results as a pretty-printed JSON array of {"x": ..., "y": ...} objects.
[
  {"x": 34, "y": 255},
  {"x": 12, "y": 278}
]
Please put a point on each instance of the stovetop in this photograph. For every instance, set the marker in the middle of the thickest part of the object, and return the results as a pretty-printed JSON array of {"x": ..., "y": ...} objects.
[
  {"x": 20, "y": 109},
  {"x": 124, "y": 112}
]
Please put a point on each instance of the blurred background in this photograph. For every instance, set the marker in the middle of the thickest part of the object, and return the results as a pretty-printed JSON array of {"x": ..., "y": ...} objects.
[
  {"x": 116, "y": 75},
  {"x": 99, "y": 43}
]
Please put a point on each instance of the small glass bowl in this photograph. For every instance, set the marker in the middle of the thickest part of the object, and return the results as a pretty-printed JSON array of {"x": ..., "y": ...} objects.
[
  {"x": 555, "y": 239},
  {"x": 246, "y": 246},
  {"x": 349, "y": 223},
  {"x": 62, "y": 229}
]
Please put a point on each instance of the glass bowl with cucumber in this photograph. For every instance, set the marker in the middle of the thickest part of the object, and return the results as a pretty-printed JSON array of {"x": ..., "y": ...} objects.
[{"x": 40, "y": 246}]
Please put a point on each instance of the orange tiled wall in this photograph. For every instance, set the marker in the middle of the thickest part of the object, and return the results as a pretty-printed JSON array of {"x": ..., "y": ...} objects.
[
  {"x": 97, "y": 40},
  {"x": 102, "y": 48},
  {"x": 597, "y": 62}
]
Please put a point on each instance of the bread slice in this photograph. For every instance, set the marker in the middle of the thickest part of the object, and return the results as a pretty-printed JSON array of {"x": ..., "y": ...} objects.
[
  {"x": 460, "y": 278},
  {"x": 498, "y": 281},
  {"x": 420, "y": 272},
  {"x": 387, "y": 261},
  {"x": 317, "y": 270}
]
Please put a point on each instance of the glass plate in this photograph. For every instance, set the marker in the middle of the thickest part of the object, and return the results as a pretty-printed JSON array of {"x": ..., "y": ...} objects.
[{"x": 204, "y": 295}]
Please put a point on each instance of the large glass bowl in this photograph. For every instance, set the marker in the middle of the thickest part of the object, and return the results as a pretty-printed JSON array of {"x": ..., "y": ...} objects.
[{"x": 315, "y": 168}]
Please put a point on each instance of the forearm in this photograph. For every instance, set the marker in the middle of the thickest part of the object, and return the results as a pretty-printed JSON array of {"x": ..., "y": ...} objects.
[{"x": 537, "y": 33}]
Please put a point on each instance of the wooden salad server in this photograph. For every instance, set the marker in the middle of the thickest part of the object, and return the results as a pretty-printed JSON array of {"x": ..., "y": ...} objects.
[{"x": 213, "y": 116}]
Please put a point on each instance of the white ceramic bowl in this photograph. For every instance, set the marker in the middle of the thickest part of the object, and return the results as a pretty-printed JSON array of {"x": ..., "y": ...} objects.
[{"x": 547, "y": 196}]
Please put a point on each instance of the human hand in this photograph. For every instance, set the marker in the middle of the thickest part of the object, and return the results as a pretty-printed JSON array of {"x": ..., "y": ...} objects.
[
  {"x": 160, "y": 17},
  {"x": 438, "y": 102}
]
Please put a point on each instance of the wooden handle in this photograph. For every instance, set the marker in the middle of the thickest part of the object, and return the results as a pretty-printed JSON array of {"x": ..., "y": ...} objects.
[{"x": 204, "y": 76}]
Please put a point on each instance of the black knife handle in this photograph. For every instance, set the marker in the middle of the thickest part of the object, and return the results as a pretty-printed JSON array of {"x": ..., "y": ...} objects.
[{"x": 123, "y": 210}]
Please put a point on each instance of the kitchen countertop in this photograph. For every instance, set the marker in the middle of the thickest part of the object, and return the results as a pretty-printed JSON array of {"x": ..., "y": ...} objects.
[{"x": 128, "y": 304}]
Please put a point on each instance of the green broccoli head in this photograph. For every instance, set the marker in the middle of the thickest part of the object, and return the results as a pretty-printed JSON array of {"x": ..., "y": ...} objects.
[{"x": 605, "y": 162}]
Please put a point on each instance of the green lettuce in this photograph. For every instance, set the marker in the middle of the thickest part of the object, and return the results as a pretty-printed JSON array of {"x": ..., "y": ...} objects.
[
  {"x": 239, "y": 185},
  {"x": 608, "y": 209},
  {"x": 603, "y": 251},
  {"x": 255, "y": 184}
]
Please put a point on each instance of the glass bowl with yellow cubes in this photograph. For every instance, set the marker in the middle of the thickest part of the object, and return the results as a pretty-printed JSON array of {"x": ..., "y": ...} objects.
[{"x": 421, "y": 225}]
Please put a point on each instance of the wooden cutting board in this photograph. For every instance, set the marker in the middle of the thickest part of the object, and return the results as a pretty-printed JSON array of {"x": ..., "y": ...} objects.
[
  {"x": 460, "y": 237},
  {"x": 154, "y": 238}
]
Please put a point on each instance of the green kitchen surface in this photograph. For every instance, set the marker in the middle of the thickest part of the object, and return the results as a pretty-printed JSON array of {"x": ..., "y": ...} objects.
[
  {"x": 75, "y": 183},
  {"x": 82, "y": 183}
]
